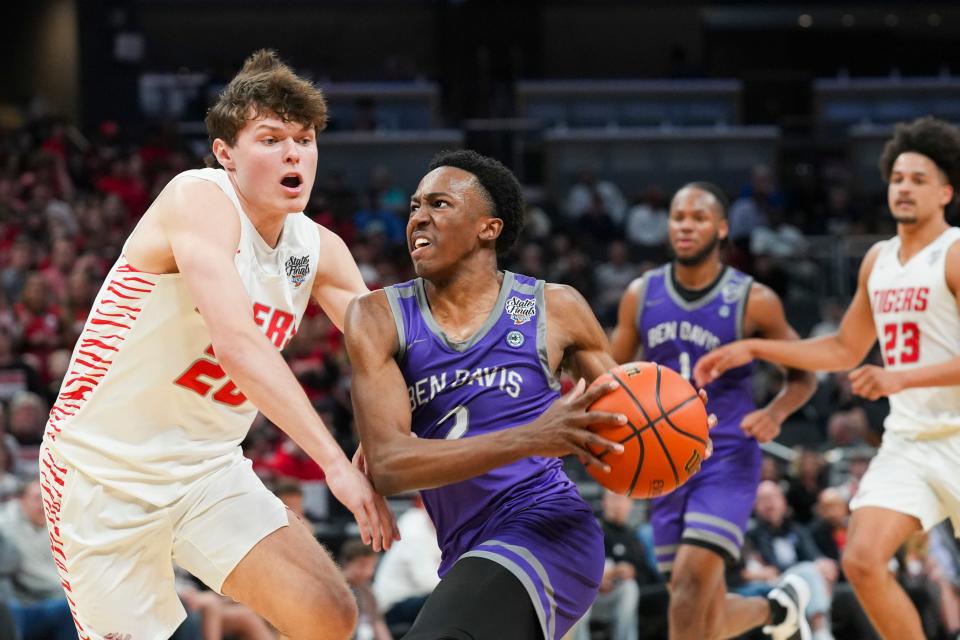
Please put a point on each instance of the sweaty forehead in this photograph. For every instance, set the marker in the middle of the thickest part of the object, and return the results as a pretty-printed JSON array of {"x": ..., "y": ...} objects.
[
  {"x": 448, "y": 180},
  {"x": 693, "y": 199},
  {"x": 913, "y": 162}
]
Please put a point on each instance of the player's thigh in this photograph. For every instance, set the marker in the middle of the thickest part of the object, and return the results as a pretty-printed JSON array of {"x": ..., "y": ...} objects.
[
  {"x": 875, "y": 534},
  {"x": 897, "y": 480},
  {"x": 943, "y": 474},
  {"x": 478, "y": 599},
  {"x": 240, "y": 540},
  {"x": 113, "y": 556}
]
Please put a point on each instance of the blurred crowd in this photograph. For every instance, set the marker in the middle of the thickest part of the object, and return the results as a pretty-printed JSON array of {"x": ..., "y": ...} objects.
[{"x": 68, "y": 201}]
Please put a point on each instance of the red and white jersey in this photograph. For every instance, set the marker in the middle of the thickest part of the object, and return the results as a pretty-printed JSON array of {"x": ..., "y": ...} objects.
[
  {"x": 918, "y": 325},
  {"x": 145, "y": 408}
]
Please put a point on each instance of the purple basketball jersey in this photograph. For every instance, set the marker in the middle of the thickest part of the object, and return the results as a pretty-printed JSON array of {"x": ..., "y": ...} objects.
[
  {"x": 676, "y": 333},
  {"x": 527, "y": 515},
  {"x": 713, "y": 507}
]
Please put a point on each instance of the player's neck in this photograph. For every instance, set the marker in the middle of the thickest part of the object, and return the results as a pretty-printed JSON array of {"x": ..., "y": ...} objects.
[
  {"x": 914, "y": 237},
  {"x": 697, "y": 276},
  {"x": 464, "y": 299},
  {"x": 269, "y": 224}
]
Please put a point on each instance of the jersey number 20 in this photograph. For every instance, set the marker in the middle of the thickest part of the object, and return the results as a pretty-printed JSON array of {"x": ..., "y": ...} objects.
[{"x": 901, "y": 343}]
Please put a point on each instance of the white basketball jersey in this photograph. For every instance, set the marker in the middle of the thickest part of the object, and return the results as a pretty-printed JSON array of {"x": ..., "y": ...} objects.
[
  {"x": 145, "y": 407},
  {"x": 917, "y": 325}
]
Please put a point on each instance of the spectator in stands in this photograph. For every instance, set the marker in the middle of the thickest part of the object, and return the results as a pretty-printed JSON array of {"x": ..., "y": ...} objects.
[
  {"x": 752, "y": 209},
  {"x": 376, "y": 217},
  {"x": 777, "y": 545},
  {"x": 805, "y": 485},
  {"x": 858, "y": 460},
  {"x": 20, "y": 259},
  {"x": 646, "y": 224},
  {"x": 612, "y": 278},
  {"x": 291, "y": 495},
  {"x": 390, "y": 196},
  {"x": 829, "y": 528},
  {"x": 16, "y": 376},
  {"x": 28, "y": 415},
  {"x": 38, "y": 319},
  {"x": 358, "y": 563},
  {"x": 408, "y": 570},
  {"x": 590, "y": 192},
  {"x": 625, "y": 570},
  {"x": 39, "y": 606}
]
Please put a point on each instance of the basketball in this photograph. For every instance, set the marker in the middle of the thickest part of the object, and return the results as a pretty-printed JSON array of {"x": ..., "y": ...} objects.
[{"x": 665, "y": 437}]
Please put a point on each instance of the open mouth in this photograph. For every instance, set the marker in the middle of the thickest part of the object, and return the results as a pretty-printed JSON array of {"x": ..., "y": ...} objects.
[
  {"x": 420, "y": 243},
  {"x": 291, "y": 182}
]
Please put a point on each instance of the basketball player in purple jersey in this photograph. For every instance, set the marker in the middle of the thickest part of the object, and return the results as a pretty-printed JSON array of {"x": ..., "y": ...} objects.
[
  {"x": 465, "y": 357},
  {"x": 674, "y": 315}
]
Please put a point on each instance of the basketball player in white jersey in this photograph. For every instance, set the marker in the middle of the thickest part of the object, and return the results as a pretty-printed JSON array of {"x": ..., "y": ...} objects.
[
  {"x": 908, "y": 298},
  {"x": 141, "y": 464}
]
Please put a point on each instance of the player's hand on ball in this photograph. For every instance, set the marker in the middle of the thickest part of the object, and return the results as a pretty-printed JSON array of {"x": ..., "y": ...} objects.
[
  {"x": 711, "y": 423},
  {"x": 761, "y": 425},
  {"x": 352, "y": 487},
  {"x": 713, "y": 364},
  {"x": 562, "y": 429},
  {"x": 873, "y": 382}
]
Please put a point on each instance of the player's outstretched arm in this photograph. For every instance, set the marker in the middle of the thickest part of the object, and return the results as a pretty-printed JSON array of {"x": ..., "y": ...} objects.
[
  {"x": 397, "y": 462},
  {"x": 203, "y": 232},
  {"x": 338, "y": 279},
  {"x": 625, "y": 340},
  {"x": 872, "y": 382},
  {"x": 837, "y": 352},
  {"x": 765, "y": 315}
]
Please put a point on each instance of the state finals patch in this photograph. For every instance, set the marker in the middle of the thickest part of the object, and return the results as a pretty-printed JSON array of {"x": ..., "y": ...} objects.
[
  {"x": 297, "y": 270},
  {"x": 521, "y": 310}
]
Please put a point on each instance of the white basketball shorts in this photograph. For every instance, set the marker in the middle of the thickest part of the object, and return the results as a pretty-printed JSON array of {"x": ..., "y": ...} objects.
[
  {"x": 115, "y": 553},
  {"x": 920, "y": 478}
]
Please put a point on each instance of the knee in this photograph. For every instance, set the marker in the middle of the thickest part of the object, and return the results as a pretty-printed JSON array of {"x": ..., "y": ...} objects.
[
  {"x": 328, "y": 612},
  {"x": 690, "y": 599},
  {"x": 861, "y": 565}
]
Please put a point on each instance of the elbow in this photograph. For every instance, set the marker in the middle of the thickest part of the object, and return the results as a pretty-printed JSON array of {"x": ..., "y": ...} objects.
[{"x": 386, "y": 481}]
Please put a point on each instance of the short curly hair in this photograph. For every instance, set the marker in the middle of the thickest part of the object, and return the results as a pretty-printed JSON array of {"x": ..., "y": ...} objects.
[
  {"x": 265, "y": 85},
  {"x": 930, "y": 137},
  {"x": 499, "y": 187}
]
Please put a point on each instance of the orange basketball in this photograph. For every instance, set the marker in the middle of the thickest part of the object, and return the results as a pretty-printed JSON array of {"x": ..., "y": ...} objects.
[{"x": 665, "y": 437}]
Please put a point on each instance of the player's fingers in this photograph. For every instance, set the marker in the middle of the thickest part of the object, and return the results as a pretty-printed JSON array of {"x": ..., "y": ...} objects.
[
  {"x": 363, "y": 522},
  {"x": 577, "y": 391},
  {"x": 712, "y": 421},
  {"x": 590, "y": 460},
  {"x": 596, "y": 392},
  {"x": 857, "y": 373},
  {"x": 602, "y": 444},
  {"x": 702, "y": 394},
  {"x": 601, "y": 417},
  {"x": 388, "y": 524},
  {"x": 374, "y": 521},
  {"x": 709, "y": 450}
]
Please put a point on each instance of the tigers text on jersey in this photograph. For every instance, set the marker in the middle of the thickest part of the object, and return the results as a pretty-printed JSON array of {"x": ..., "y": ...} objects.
[
  {"x": 145, "y": 407},
  {"x": 917, "y": 325},
  {"x": 676, "y": 333}
]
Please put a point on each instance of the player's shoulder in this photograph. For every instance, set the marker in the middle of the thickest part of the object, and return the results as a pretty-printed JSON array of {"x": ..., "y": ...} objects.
[
  {"x": 368, "y": 309},
  {"x": 193, "y": 190},
  {"x": 369, "y": 324},
  {"x": 874, "y": 252}
]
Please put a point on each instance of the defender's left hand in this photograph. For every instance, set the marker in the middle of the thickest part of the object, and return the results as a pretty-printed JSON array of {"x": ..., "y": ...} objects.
[
  {"x": 873, "y": 382},
  {"x": 760, "y": 425}
]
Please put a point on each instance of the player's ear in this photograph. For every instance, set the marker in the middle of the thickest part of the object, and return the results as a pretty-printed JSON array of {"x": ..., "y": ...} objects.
[
  {"x": 491, "y": 228},
  {"x": 224, "y": 154},
  {"x": 946, "y": 194},
  {"x": 723, "y": 228}
]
